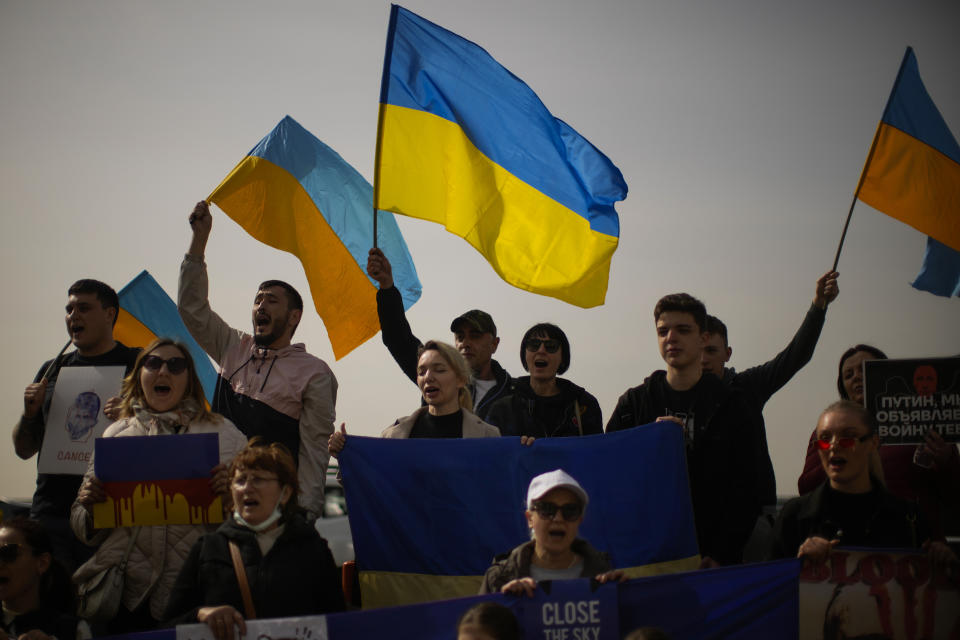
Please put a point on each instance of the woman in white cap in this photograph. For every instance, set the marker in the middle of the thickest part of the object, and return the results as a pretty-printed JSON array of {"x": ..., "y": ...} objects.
[{"x": 555, "y": 507}]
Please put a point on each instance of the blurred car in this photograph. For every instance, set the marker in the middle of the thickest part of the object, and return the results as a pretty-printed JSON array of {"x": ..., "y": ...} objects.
[
  {"x": 13, "y": 507},
  {"x": 334, "y": 524}
]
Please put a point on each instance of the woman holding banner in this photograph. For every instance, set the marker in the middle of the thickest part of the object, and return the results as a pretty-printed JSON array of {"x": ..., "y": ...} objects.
[
  {"x": 265, "y": 560},
  {"x": 161, "y": 396},
  {"x": 543, "y": 405},
  {"x": 555, "y": 507},
  {"x": 442, "y": 375}
]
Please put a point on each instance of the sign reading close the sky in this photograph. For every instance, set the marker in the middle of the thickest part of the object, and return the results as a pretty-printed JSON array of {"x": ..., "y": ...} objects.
[
  {"x": 76, "y": 417},
  {"x": 908, "y": 398},
  {"x": 153, "y": 480}
]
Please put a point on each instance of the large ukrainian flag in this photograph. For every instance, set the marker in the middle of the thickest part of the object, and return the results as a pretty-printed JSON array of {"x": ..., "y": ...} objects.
[
  {"x": 428, "y": 516},
  {"x": 148, "y": 313},
  {"x": 913, "y": 170},
  {"x": 465, "y": 143},
  {"x": 296, "y": 194}
]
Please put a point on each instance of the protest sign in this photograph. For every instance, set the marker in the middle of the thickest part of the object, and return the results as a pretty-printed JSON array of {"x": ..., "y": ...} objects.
[
  {"x": 908, "y": 398},
  {"x": 878, "y": 593},
  {"x": 153, "y": 480},
  {"x": 76, "y": 417},
  {"x": 305, "y": 628}
]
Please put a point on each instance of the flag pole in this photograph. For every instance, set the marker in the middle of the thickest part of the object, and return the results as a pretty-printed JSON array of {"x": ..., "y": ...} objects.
[
  {"x": 856, "y": 194},
  {"x": 53, "y": 362}
]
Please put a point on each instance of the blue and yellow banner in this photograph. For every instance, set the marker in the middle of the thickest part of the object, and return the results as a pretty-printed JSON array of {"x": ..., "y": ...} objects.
[
  {"x": 148, "y": 313},
  {"x": 154, "y": 480},
  {"x": 296, "y": 194},
  {"x": 428, "y": 516},
  {"x": 463, "y": 142},
  {"x": 913, "y": 169}
]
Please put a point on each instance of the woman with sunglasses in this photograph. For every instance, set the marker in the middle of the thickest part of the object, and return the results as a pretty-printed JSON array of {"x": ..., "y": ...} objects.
[
  {"x": 927, "y": 474},
  {"x": 542, "y": 405},
  {"x": 161, "y": 396},
  {"x": 35, "y": 590},
  {"x": 287, "y": 566},
  {"x": 852, "y": 508},
  {"x": 555, "y": 507}
]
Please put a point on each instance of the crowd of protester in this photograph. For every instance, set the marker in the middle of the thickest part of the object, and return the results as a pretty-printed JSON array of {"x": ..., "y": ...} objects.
[{"x": 273, "y": 412}]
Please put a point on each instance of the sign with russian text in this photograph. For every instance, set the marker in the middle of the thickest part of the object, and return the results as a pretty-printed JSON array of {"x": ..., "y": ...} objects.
[
  {"x": 76, "y": 417},
  {"x": 908, "y": 398},
  {"x": 154, "y": 480},
  {"x": 876, "y": 593}
]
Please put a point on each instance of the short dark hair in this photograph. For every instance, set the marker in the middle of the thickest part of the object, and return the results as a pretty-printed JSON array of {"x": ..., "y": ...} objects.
[
  {"x": 876, "y": 353},
  {"x": 850, "y": 406},
  {"x": 553, "y": 332},
  {"x": 715, "y": 326},
  {"x": 56, "y": 589},
  {"x": 495, "y": 619},
  {"x": 684, "y": 303},
  {"x": 294, "y": 301},
  {"x": 105, "y": 294}
]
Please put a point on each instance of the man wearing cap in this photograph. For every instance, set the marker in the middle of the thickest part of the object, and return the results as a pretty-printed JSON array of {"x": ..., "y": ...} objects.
[
  {"x": 474, "y": 334},
  {"x": 555, "y": 507}
]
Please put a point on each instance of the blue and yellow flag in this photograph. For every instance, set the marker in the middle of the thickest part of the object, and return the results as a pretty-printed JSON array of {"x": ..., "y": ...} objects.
[
  {"x": 148, "y": 313},
  {"x": 913, "y": 171},
  {"x": 428, "y": 516},
  {"x": 463, "y": 142},
  {"x": 940, "y": 272},
  {"x": 296, "y": 194}
]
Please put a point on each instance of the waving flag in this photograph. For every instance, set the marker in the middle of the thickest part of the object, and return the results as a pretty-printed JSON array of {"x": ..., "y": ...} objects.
[
  {"x": 148, "y": 313},
  {"x": 296, "y": 194},
  {"x": 913, "y": 174},
  {"x": 428, "y": 516},
  {"x": 465, "y": 143}
]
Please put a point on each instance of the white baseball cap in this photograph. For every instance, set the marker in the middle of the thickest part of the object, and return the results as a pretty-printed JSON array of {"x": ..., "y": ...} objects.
[{"x": 544, "y": 483}]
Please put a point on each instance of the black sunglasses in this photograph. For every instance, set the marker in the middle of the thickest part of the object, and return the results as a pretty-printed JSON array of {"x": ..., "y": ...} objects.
[
  {"x": 174, "y": 365},
  {"x": 10, "y": 552},
  {"x": 551, "y": 345},
  {"x": 570, "y": 511}
]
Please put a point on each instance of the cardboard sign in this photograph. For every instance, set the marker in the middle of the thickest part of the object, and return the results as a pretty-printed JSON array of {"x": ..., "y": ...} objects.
[
  {"x": 154, "y": 480},
  {"x": 908, "y": 398},
  {"x": 877, "y": 593},
  {"x": 76, "y": 417},
  {"x": 305, "y": 628}
]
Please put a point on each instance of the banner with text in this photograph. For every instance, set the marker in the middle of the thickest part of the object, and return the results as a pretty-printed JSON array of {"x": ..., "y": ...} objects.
[{"x": 907, "y": 398}]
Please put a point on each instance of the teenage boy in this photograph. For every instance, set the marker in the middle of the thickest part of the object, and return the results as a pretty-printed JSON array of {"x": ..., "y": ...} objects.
[{"x": 720, "y": 429}]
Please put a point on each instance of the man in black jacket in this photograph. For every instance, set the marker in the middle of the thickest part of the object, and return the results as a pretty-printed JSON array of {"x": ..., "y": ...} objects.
[
  {"x": 720, "y": 427},
  {"x": 474, "y": 334},
  {"x": 759, "y": 383}
]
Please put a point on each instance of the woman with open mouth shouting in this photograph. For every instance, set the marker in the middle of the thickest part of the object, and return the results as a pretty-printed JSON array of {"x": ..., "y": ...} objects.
[
  {"x": 555, "y": 507},
  {"x": 265, "y": 560},
  {"x": 35, "y": 590},
  {"x": 543, "y": 405},
  {"x": 161, "y": 396},
  {"x": 442, "y": 375}
]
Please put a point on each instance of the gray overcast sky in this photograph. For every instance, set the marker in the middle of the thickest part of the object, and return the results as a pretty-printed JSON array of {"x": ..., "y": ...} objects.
[{"x": 740, "y": 126}]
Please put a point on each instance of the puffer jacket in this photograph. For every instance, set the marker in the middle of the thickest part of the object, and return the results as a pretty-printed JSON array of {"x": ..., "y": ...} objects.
[
  {"x": 516, "y": 564},
  {"x": 159, "y": 552}
]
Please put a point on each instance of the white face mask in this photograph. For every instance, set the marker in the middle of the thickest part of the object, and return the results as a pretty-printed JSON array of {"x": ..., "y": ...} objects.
[{"x": 257, "y": 528}]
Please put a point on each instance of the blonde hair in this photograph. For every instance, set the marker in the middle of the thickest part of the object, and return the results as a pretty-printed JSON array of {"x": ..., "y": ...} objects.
[
  {"x": 131, "y": 391},
  {"x": 460, "y": 367}
]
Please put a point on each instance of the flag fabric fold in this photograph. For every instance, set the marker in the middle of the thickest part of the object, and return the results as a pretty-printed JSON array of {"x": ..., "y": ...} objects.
[
  {"x": 428, "y": 516},
  {"x": 940, "y": 272},
  {"x": 913, "y": 174},
  {"x": 294, "y": 193},
  {"x": 463, "y": 142},
  {"x": 148, "y": 313}
]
